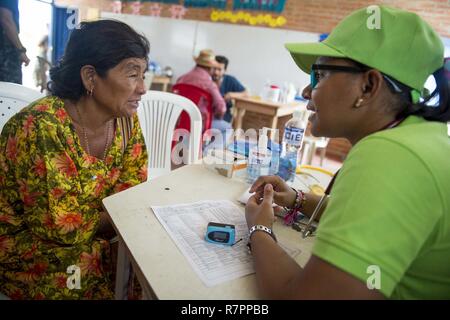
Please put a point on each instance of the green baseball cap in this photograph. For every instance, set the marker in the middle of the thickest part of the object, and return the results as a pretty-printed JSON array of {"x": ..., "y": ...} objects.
[{"x": 396, "y": 42}]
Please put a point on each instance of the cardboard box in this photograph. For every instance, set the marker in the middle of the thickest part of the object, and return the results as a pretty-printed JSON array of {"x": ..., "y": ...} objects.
[{"x": 224, "y": 162}]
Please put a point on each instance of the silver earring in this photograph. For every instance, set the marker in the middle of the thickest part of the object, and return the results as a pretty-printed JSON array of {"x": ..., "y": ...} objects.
[{"x": 358, "y": 103}]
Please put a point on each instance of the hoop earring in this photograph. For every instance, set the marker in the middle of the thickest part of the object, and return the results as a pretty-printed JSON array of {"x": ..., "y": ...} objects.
[{"x": 358, "y": 103}]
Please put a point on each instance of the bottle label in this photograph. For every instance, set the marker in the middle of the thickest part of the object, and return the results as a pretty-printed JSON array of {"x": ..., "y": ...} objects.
[
  {"x": 294, "y": 136},
  {"x": 257, "y": 157}
]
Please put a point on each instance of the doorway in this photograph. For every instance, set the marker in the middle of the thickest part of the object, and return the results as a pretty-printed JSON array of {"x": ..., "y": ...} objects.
[{"x": 35, "y": 22}]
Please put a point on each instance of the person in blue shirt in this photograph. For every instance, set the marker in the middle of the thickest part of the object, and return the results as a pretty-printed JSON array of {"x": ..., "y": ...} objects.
[
  {"x": 12, "y": 52},
  {"x": 229, "y": 86}
]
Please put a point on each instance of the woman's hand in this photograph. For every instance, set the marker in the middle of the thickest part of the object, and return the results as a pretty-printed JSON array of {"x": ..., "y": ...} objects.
[
  {"x": 105, "y": 229},
  {"x": 283, "y": 195},
  {"x": 260, "y": 212}
]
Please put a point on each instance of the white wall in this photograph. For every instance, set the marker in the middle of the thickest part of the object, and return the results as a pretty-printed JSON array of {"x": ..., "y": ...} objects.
[{"x": 256, "y": 54}]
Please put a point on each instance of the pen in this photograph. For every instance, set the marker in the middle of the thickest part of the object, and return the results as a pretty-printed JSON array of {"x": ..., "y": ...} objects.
[{"x": 306, "y": 231}]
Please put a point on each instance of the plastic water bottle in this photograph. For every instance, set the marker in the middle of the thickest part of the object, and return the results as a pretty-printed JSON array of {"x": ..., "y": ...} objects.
[
  {"x": 265, "y": 91},
  {"x": 284, "y": 93},
  {"x": 294, "y": 132},
  {"x": 275, "y": 160},
  {"x": 259, "y": 159},
  {"x": 275, "y": 149}
]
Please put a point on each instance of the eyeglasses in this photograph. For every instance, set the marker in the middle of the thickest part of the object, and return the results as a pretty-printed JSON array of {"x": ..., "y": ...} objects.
[
  {"x": 328, "y": 67},
  {"x": 393, "y": 85}
]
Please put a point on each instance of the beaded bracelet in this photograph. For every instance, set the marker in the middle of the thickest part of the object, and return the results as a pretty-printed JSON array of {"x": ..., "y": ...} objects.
[{"x": 291, "y": 216}]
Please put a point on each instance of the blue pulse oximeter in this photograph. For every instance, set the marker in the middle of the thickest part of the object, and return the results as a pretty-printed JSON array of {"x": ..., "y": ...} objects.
[{"x": 220, "y": 233}]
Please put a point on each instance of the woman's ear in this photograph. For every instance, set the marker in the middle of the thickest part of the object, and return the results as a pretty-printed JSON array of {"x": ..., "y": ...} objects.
[
  {"x": 88, "y": 75},
  {"x": 371, "y": 85}
]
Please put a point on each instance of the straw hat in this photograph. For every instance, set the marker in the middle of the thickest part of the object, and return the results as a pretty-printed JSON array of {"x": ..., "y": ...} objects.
[{"x": 206, "y": 58}]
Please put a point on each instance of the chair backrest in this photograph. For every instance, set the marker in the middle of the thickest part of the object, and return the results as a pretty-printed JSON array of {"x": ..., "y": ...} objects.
[
  {"x": 158, "y": 114},
  {"x": 202, "y": 99},
  {"x": 13, "y": 97}
]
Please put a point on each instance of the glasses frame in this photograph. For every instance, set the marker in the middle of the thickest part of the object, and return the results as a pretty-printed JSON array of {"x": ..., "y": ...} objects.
[
  {"x": 330, "y": 67},
  {"x": 393, "y": 85}
]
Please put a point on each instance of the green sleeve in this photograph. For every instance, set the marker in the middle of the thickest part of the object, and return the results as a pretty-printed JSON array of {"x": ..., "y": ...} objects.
[{"x": 384, "y": 206}]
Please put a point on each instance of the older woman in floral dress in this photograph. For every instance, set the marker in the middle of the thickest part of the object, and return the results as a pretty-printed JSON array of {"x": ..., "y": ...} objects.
[{"x": 60, "y": 156}]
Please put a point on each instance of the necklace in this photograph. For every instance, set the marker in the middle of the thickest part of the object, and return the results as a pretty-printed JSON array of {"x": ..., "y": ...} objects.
[{"x": 86, "y": 140}]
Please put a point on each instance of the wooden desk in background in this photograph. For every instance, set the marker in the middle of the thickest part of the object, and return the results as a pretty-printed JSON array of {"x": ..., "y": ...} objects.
[
  {"x": 252, "y": 113},
  {"x": 160, "y": 83}
]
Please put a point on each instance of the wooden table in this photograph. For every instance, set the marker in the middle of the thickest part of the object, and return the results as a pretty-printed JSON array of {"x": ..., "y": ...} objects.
[
  {"x": 160, "y": 83},
  {"x": 254, "y": 113},
  {"x": 162, "y": 270}
]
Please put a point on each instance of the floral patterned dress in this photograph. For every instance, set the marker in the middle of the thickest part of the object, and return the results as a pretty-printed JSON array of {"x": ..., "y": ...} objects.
[{"x": 50, "y": 204}]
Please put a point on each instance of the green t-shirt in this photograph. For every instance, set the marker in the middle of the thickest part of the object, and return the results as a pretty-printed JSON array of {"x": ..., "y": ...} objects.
[{"x": 390, "y": 208}]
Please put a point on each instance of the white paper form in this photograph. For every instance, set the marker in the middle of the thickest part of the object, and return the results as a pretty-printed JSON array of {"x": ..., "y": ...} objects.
[{"x": 213, "y": 263}]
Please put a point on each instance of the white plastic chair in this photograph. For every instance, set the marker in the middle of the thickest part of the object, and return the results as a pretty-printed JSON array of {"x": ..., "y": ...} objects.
[
  {"x": 158, "y": 114},
  {"x": 310, "y": 146},
  {"x": 13, "y": 97}
]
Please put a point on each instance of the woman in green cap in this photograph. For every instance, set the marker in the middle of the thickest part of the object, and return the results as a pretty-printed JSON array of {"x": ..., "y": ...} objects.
[{"x": 385, "y": 231}]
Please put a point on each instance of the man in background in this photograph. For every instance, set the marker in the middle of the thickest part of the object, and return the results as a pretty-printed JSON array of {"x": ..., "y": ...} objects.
[
  {"x": 229, "y": 86},
  {"x": 200, "y": 77},
  {"x": 42, "y": 65},
  {"x": 12, "y": 52}
]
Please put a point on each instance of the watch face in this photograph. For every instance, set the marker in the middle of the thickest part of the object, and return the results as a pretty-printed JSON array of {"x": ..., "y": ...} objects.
[{"x": 218, "y": 236}]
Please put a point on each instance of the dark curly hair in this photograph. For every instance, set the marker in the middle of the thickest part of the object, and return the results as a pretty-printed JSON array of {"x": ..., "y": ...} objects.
[
  {"x": 102, "y": 44},
  {"x": 435, "y": 107}
]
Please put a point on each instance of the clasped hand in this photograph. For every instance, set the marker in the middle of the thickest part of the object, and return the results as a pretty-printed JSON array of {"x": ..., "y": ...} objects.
[{"x": 268, "y": 190}]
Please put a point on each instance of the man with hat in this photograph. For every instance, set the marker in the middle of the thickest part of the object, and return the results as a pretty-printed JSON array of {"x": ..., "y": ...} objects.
[
  {"x": 229, "y": 86},
  {"x": 200, "y": 76}
]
